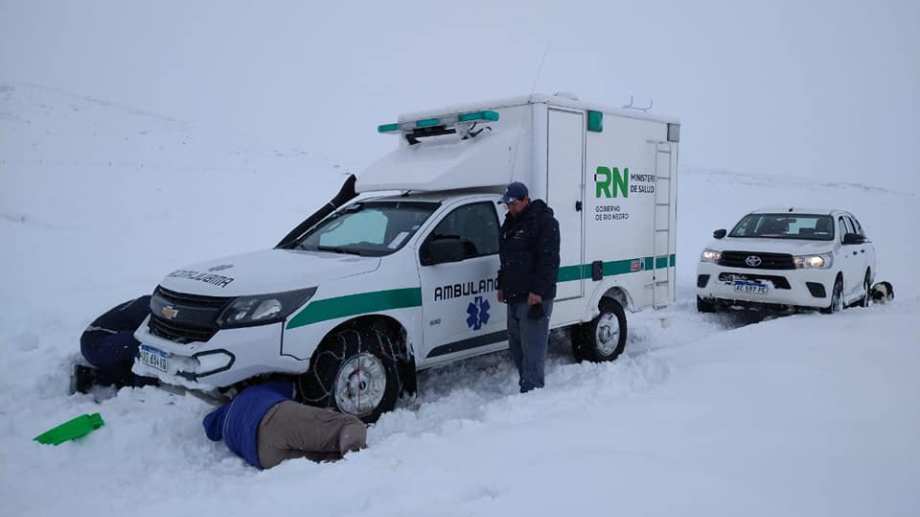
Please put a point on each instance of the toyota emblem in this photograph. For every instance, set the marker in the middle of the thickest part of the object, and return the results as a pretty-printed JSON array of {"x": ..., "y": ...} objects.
[
  {"x": 169, "y": 312},
  {"x": 753, "y": 261}
]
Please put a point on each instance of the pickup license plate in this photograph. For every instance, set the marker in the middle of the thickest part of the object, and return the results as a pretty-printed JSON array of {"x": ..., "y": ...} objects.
[
  {"x": 154, "y": 358},
  {"x": 750, "y": 287}
]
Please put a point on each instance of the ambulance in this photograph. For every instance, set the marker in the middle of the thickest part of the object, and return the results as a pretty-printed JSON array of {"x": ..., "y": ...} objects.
[{"x": 398, "y": 272}]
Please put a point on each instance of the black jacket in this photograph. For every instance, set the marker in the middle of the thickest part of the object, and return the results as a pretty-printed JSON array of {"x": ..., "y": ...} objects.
[{"x": 529, "y": 251}]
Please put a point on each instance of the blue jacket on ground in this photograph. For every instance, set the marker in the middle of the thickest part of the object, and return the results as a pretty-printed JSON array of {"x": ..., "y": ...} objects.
[{"x": 237, "y": 422}]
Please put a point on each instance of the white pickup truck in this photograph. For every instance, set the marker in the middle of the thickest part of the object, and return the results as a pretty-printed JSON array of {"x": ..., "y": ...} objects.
[
  {"x": 787, "y": 258},
  {"x": 378, "y": 285}
]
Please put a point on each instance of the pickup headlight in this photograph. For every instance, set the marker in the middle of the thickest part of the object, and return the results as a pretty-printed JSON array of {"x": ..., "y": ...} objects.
[
  {"x": 263, "y": 309},
  {"x": 822, "y": 261},
  {"x": 710, "y": 256}
]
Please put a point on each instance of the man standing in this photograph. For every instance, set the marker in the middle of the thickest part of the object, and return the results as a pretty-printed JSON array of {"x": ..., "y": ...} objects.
[{"x": 529, "y": 252}]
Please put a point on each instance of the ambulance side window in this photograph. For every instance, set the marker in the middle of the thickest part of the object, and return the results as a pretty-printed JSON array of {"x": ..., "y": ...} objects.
[{"x": 476, "y": 223}]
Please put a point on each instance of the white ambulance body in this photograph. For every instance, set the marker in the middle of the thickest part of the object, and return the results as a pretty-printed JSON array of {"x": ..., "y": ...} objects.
[{"x": 402, "y": 277}]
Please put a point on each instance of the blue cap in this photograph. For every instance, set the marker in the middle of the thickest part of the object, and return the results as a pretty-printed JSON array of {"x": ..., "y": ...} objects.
[{"x": 515, "y": 191}]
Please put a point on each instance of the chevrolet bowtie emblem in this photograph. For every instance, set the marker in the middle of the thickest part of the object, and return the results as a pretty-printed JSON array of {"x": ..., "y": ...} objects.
[{"x": 169, "y": 312}]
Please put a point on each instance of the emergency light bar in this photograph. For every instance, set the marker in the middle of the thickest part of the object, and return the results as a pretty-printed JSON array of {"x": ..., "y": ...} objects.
[{"x": 446, "y": 121}]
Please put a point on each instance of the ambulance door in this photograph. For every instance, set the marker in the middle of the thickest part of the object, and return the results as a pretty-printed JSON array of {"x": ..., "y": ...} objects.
[
  {"x": 564, "y": 187},
  {"x": 460, "y": 309}
]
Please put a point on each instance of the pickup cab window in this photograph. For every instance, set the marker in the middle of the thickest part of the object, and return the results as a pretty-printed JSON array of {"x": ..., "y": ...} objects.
[
  {"x": 857, "y": 229},
  {"x": 846, "y": 226},
  {"x": 476, "y": 223}
]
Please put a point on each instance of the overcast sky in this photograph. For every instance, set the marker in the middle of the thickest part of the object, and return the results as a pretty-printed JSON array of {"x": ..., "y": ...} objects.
[{"x": 821, "y": 89}]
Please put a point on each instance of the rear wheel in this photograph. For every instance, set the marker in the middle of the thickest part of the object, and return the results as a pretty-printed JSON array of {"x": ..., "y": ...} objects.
[
  {"x": 836, "y": 297},
  {"x": 604, "y": 337},
  {"x": 354, "y": 371}
]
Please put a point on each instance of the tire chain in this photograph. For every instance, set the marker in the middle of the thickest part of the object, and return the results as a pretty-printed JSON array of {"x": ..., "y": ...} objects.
[{"x": 338, "y": 353}]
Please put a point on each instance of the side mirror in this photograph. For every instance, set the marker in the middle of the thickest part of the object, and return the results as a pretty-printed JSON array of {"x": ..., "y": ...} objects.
[
  {"x": 853, "y": 238},
  {"x": 441, "y": 251},
  {"x": 719, "y": 234}
]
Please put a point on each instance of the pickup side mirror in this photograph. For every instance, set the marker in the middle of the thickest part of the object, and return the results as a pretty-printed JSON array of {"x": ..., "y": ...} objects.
[
  {"x": 720, "y": 233},
  {"x": 853, "y": 238},
  {"x": 440, "y": 251}
]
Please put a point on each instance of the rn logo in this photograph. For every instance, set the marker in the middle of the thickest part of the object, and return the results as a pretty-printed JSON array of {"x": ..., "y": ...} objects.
[
  {"x": 609, "y": 181},
  {"x": 477, "y": 313}
]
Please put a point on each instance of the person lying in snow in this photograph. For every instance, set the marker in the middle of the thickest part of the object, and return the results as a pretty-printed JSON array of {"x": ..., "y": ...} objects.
[
  {"x": 108, "y": 344},
  {"x": 264, "y": 426}
]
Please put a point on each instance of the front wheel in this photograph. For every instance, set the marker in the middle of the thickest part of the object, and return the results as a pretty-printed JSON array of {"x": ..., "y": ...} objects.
[
  {"x": 604, "y": 337},
  {"x": 355, "y": 372},
  {"x": 867, "y": 290},
  {"x": 705, "y": 306},
  {"x": 836, "y": 298}
]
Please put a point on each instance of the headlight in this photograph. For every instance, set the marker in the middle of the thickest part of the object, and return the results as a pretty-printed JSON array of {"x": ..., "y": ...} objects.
[
  {"x": 710, "y": 256},
  {"x": 263, "y": 309},
  {"x": 814, "y": 261}
]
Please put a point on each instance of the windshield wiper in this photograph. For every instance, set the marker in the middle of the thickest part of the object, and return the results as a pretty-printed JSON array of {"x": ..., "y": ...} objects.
[{"x": 338, "y": 249}]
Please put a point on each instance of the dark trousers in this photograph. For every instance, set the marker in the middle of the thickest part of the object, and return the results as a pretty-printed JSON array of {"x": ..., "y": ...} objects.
[
  {"x": 112, "y": 353},
  {"x": 109, "y": 345},
  {"x": 527, "y": 338}
]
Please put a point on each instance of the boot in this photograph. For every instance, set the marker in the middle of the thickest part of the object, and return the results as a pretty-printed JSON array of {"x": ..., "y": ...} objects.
[{"x": 82, "y": 379}]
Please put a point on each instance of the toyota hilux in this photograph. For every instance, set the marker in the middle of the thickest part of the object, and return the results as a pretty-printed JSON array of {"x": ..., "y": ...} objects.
[{"x": 787, "y": 259}]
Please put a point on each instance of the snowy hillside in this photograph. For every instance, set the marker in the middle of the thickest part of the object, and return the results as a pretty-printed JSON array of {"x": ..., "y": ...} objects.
[
  {"x": 94, "y": 194},
  {"x": 704, "y": 415}
]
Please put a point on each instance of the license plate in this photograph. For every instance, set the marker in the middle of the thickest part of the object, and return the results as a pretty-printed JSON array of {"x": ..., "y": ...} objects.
[
  {"x": 154, "y": 358},
  {"x": 749, "y": 287}
]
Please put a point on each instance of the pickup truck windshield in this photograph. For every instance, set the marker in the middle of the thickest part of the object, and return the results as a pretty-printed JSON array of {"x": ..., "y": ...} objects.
[
  {"x": 785, "y": 226},
  {"x": 372, "y": 228}
]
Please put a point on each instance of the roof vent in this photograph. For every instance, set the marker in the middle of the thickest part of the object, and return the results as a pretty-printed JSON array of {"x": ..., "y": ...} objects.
[{"x": 566, "y": 95}]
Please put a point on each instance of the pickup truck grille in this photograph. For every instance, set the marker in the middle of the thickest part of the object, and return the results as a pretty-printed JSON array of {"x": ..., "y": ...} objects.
[
  {"x": 195, "y": 300},
  {"x": 179, "y": 332},
  {"x": 767, "y": 260},
  {"x": 779, "y": 282},
  {"x": 194, "y": 317}
]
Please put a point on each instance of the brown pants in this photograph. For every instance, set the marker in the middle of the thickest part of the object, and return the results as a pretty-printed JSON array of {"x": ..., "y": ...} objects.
[{"x": 291, "y": 430}]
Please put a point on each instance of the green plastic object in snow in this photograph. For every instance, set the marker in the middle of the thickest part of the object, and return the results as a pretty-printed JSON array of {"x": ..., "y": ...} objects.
[{"x": 71, "y": 430}]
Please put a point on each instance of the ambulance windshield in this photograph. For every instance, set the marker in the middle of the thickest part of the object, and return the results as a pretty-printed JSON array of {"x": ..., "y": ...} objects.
[{"x": 373, "y": 228}]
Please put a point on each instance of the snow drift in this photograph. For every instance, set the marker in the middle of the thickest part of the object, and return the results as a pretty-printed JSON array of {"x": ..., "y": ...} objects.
[{"x": 803, "y": 415}]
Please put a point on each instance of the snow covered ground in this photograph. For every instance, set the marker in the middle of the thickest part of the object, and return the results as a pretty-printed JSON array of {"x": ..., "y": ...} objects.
[{"x": 705, "y": 415}]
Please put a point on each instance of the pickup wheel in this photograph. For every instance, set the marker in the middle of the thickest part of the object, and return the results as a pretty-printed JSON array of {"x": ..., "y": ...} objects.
[
  {"x": 867, "y": 290},
  {"x": 604, "y": 337},
  {"x": 836, "y": 297},
  {"x": 704, "y": 305},
  {"x": 353, "y": 371}
]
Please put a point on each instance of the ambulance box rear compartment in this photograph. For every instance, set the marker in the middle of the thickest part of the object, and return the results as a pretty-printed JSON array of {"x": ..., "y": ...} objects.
[{"x": 610, "y": 175}]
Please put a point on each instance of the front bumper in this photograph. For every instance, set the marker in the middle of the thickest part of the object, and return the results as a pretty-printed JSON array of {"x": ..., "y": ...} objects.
[
  {"x": 792, "y": 288},
  {"x": 229, "y": 357}
]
